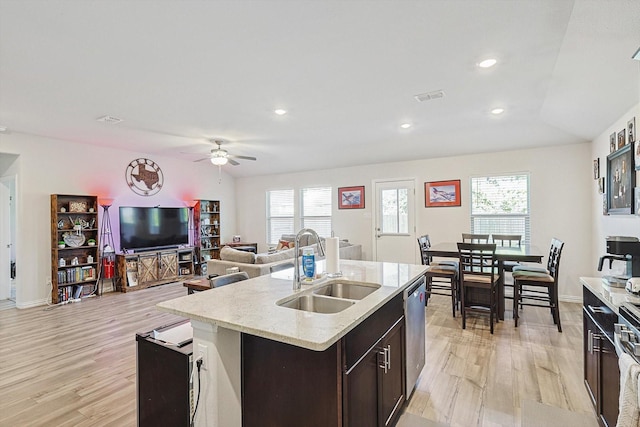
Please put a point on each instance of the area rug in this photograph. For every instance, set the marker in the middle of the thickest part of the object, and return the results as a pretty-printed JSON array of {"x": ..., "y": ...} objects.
[{"x": 536, "y": 414}]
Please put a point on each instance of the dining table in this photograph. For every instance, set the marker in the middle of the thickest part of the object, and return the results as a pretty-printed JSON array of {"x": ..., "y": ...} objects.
[{"x": 522, "y": 253}]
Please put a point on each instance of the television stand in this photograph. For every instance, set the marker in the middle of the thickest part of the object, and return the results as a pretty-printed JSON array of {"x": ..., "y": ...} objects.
[{"x": 140, "y": 270}]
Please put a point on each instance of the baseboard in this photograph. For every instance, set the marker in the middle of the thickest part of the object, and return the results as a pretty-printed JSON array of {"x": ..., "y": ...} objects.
[{"x": 31, "y": 304}]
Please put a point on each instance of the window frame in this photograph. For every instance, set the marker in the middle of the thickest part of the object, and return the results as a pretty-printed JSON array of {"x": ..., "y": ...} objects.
[{"x": 501, "y": 217}]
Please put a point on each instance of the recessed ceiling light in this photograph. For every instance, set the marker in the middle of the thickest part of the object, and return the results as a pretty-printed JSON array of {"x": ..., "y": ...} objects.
[
  {"x": 487, "y": 63},
  {"x": 497, "y": 111},
  {"x": 405, "y": 125},
  {"x": 280, "y": 112},
  {"x": 3, "y": 129}
]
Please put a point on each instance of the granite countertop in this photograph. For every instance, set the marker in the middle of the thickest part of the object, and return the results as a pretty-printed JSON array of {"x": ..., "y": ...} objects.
[
  {"x": 250, "y": 306},
  {"x": 612, "y": 297}
]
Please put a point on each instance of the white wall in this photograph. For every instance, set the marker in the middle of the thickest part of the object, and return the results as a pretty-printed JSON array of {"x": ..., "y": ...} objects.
[
  {"x": 46, "y": 166},
  {"x": 611, "y": 225},
  {"x": 561, "y": 197}
]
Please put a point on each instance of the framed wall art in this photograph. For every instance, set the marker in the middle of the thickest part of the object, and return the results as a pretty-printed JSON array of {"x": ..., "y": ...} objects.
[
  {"x": 442, "y": 193},
  {"x": 620, "y": 181},
  {"x": 621, "y": 139},
  {"x": 612, "y": 142},
  {"x": 601, "y": 185},
  {"x": 596, "y": 168},
  {"x": 351, "y": 197},
  {"x": 636, "y": 156},
  {"x": 631, "y": 131}
]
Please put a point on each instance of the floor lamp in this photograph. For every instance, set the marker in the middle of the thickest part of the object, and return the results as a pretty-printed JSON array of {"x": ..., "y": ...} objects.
[{"x": 107, "y": 251}]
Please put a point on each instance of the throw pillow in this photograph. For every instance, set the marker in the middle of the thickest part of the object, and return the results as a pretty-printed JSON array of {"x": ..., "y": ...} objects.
[{"x": 284, "y": 244}]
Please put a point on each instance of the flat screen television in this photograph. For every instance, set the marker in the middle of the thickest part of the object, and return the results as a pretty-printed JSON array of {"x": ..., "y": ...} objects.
[{"x": 147, "y": 228}]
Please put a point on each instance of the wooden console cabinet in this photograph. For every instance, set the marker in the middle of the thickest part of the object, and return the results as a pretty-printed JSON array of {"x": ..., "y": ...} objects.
[{"x": 144, "y": 269}]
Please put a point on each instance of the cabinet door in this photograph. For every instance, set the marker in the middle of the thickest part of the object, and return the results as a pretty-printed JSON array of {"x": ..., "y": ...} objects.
[
  {"x": 391, "y": 379},
  {"x": 590, "y": 358},
  {"x": 147, "y": 268},
  {"x": 361, "y": 392},
  {"x": 609, "y": 383},
  {"x": 168, "y": 265}
]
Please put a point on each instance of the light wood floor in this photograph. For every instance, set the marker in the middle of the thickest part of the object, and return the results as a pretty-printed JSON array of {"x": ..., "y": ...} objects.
[
  {"x": 74, "y": 365},
  {"x": 473, "y": 378}
]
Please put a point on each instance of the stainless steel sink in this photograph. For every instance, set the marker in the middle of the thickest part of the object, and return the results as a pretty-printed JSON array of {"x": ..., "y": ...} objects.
[
  {"x": 347, "y": 290},
  {"x": 317, "y": 304}
]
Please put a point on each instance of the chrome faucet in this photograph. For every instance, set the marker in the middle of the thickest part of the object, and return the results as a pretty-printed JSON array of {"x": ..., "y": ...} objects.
[{"x": 296, "y": 268}]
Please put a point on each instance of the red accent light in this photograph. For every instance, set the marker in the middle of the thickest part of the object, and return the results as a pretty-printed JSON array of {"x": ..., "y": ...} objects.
[{"x": 107, "y": 268}]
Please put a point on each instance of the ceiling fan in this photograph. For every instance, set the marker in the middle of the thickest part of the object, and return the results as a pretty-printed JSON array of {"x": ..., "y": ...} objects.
[{"x": 221, "y": 157}]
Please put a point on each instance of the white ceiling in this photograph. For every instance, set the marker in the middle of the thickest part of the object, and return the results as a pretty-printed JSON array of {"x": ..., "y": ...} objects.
[{"x": 181, "y": 72}]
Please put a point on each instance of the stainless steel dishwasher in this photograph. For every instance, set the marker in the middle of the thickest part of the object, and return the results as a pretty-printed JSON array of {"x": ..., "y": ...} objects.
[{"x": 414, "y": 313}]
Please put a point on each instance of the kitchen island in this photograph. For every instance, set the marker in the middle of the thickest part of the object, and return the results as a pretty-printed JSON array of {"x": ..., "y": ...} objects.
[{"x": 266, "y": 360}]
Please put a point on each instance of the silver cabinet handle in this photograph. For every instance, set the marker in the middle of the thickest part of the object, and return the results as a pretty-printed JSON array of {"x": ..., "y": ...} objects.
[
  {"x": 590, "y": 342},
  {"x": 389, "y": 356},
  {"x": 598, "y": 310},
  {"x": 386, "y": 358},
  {"x": 383, "y": 353}
]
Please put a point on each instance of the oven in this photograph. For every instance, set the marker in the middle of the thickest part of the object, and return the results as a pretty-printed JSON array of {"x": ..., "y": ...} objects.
[{"x": 627, "y": 330}]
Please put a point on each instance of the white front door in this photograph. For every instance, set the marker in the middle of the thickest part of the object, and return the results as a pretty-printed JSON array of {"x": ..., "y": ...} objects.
[{"x": 394, "y": 226}]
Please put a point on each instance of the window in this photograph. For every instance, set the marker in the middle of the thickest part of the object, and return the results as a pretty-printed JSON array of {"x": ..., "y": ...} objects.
[
  {"x": 500, "y": 205},
  {"x": 279, "y": 214},
  {"x": 394, "y": 208},
  {"x": 315, "y": 210}
]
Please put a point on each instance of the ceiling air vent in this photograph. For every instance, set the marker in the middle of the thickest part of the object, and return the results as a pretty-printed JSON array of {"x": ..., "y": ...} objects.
[
  {"x": 109, "y": 119},
  {"x": 429, "y": 96}
]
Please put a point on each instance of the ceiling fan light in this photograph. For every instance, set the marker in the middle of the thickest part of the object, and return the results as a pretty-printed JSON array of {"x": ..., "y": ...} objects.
[{"x": 219, "y": 161}]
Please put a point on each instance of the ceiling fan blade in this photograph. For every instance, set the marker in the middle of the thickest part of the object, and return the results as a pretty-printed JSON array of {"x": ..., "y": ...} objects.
[
  {"x": 204, "y": 158},
  {"x": 241, "y": 157},
  {"x": 233, "y": 162}
]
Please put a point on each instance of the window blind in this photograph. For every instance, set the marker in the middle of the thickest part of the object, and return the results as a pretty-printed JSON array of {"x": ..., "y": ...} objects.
[{"x": 280, "y": 214}]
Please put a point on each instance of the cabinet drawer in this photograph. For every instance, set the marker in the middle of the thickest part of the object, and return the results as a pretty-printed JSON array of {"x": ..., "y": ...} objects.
[
  {"x": 366, "y": 334},
  {"x": 602, "y": 315}
]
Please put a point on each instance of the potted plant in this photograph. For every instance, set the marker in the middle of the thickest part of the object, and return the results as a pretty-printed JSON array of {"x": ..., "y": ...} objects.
[{"x": 91, "y": 242}]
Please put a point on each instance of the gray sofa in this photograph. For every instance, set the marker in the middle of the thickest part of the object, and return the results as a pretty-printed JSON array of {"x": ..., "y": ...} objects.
[{"x": 259, "y": 264}]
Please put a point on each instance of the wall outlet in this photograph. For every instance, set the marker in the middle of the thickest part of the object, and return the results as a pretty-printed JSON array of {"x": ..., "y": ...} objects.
[{"x": 202, "y": 354}]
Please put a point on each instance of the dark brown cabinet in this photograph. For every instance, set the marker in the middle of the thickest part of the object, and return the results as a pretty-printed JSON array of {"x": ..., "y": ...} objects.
[
  {"x": 374, "y": 387},
  {"x": 601, "y": 372},
  {"x": 358, "y": 381},
  {"x": 74, "y": 246},
  {"x": 206, "y": 217}
]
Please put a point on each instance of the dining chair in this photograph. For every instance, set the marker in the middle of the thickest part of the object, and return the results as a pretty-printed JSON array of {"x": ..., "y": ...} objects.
[
  {"x": 475, "y": 238},
  {"x": 441, "y": 276},
  {"x": 508, "y": 241},
  {"x": 228, "y": 279},
  {"x": 538, "y": 288},
  {"x": 479, "y": 280}
]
